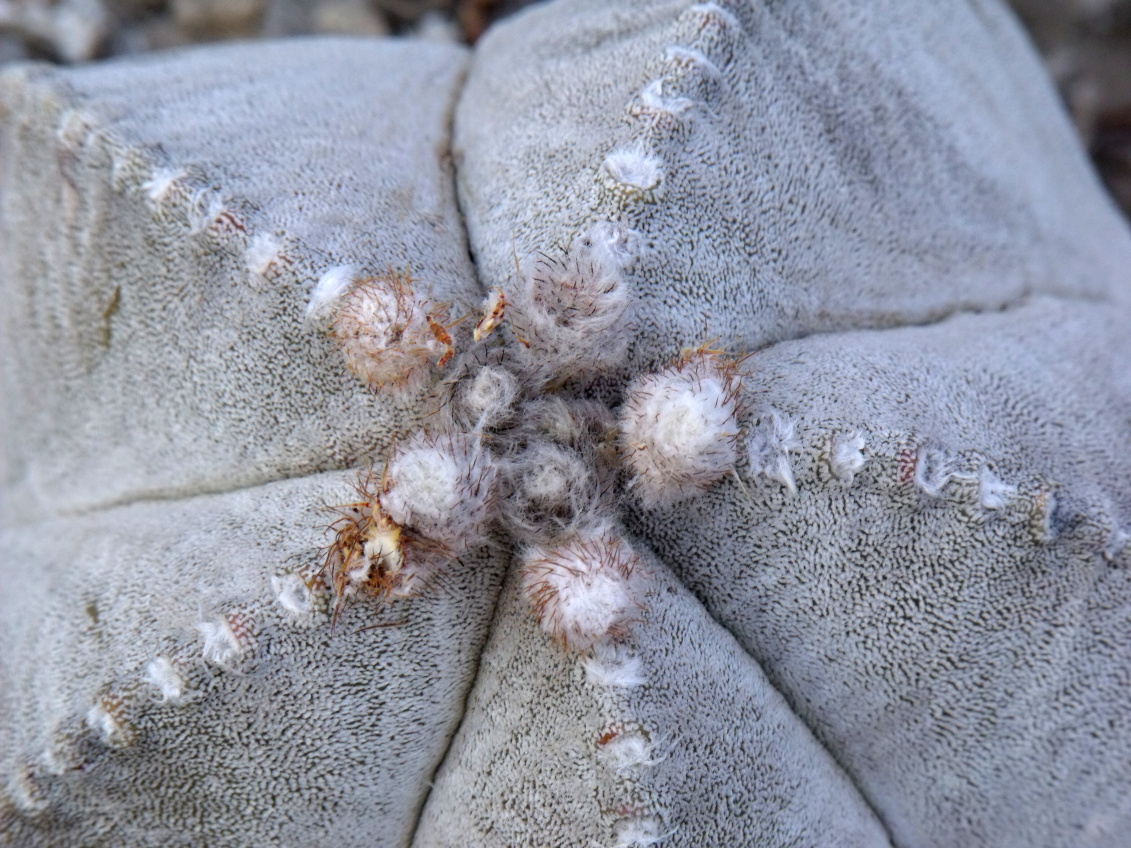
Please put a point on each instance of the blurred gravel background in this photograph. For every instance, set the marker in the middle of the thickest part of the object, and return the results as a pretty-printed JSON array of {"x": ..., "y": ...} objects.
[
  {"x": 1086, "y": 43},
  {"x": 1087, "y": 49}
]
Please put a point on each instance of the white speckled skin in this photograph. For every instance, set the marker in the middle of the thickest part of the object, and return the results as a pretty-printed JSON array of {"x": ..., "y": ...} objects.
[
  {"x": 158, "y": 324},
  {"x": 966, "y": 658},
  {"x": 730, "y": 764},
  {"x": 902, "y": 620},
  {"x": 302, "y": 736},
  {"x": 145, "y": 363},
  {"x": 830, "y": 167},
  {"x": 839, "y": 165}
]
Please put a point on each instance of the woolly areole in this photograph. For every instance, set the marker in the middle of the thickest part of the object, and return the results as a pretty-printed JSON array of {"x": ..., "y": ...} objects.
[
  {"x": 443, "y": 488},
  {"x": 581, "y": 591},
  {"x": 679, "y": 428}
]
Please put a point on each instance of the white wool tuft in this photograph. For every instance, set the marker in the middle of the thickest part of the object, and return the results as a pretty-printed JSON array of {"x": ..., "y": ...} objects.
[
  {"x": 1043, "y": 511},
  {"x": 582, "y": 592},
  {"x": 634, "y": 170},
  {"x": 933, "y": 470},
  {"x": 1116, "y": 544},
  {"x": 847, "y": 456},
  {"x": 554, "y": 474},
  {"x": 553, "y": 490},
  {"x": 61, "y": 756},
  {"x": 992, "y": 492},
  {"x": 443, "y": 488},
  {"x": 207, "y": 209},
  {"x": 263, "y": 257},
  {"x": 106, "y": 720},
  {"x": 614, "y": 673},
  {"x": 220, "y": 644},
  {"x": 292, "y": 593},
  {"x": 162, "y": 676},
  {"x": 628, "y": 752},
  {"x": 768, "y": 447},
  {"x": 330, "y": 288},
  {"x": 225, "y": 639},
  {"x": 25, "y": 789},
  {"x": 589, "y": 599},
  {"x": 570, "y": 311},
  {"x": 713, "y": 12},
  {"x": 158, "y": 187},
  {"x": 639, "y": 832},
  {"x": 653, "y": 98},
  {"x": 74, "y": 129},
  {"x": 489, "y": 398},
  {"x": 613, "y": 244},
  {"x": 679, "y": 428},
  {"x": 689, "y": 57},
  {"x": 121, "y": 166},
  {"x": 574, "y": 422}
]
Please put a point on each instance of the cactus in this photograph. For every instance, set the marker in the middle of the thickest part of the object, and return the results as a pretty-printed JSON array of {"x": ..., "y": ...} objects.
[{"x": 759, "y": 483}]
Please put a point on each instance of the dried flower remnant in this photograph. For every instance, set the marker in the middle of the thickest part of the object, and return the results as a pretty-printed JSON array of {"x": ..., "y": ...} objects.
[
  {"x": 434, "y": 503},
  {"x": 367, "y": 553},
  {"x": 392, "y": 337},
  {"x": 441, "y": 493},
  {"x": 494, "y": 310}
]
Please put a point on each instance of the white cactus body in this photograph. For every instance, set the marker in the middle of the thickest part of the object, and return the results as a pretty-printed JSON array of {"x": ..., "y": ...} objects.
[{"x": 902, "y": 624}]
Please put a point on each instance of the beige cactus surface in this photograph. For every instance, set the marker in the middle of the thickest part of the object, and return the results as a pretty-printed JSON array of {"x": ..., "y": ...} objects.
[{"x": 666, "y": 424}]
